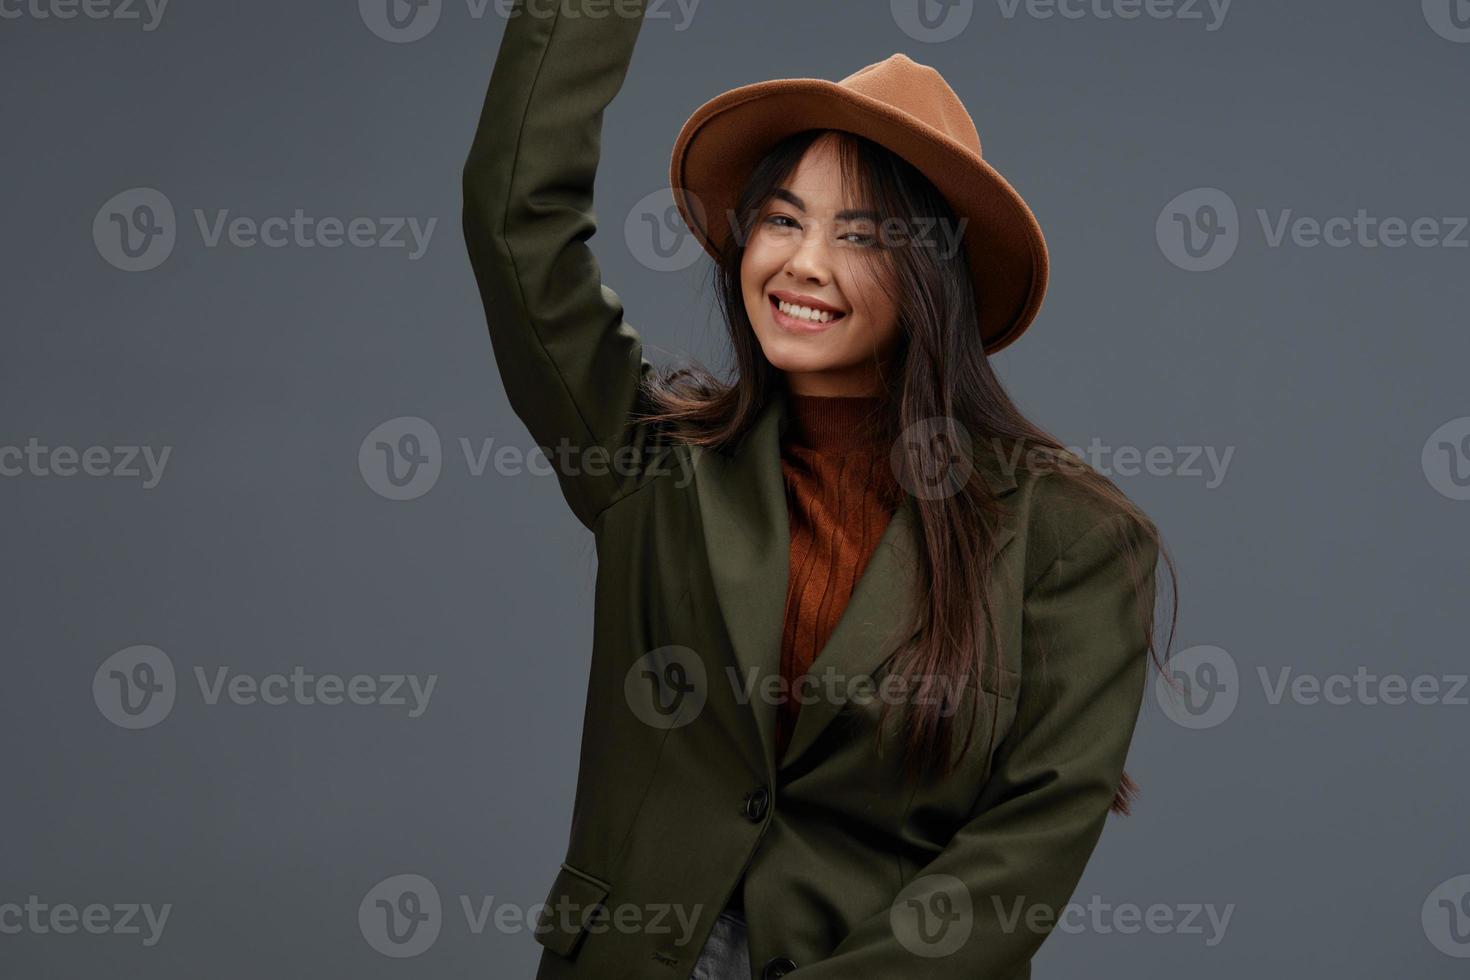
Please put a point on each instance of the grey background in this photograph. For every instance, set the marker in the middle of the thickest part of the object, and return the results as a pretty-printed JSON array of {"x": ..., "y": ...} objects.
[{"x": 1326, "y": 548}]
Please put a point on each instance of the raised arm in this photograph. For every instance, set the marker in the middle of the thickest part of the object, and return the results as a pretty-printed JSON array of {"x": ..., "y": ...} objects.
[{"x": 570, "y": 363}]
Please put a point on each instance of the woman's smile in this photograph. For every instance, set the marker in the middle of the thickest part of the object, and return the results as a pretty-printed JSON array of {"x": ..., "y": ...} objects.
[{"x": 808, "y": 317}]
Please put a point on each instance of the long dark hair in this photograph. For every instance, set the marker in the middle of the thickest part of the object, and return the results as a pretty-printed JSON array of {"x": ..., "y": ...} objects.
[{"x": 940, "y": 371}]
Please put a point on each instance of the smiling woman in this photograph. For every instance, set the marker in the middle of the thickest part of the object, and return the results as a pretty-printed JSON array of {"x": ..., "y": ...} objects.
[
  {"x": 854, "y": 526},
  {"x": 822, "y": 313}
]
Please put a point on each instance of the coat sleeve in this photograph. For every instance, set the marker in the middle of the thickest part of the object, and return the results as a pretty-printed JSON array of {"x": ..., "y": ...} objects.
[
  {"x": 982, "y": 906},
  {"x": 570, "y": 363}
]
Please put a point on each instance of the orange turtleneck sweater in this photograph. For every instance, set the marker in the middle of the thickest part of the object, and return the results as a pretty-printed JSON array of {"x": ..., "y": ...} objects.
[{"x": 840, "y": 494}]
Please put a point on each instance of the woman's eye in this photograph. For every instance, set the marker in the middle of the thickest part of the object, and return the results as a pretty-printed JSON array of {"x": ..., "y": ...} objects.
[{"x": 786, "y": 221}]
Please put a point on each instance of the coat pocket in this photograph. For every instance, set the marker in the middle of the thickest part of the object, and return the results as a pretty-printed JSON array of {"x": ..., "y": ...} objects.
[
  {"x": 574, "y": 897},
  {"x": 1001, "y": 681}
]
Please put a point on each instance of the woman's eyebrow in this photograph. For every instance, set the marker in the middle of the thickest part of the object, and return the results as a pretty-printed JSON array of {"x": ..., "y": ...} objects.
[{"x": 851, "y": 214}]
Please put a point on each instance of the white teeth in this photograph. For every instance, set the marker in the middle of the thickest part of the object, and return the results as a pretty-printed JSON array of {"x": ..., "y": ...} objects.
[{"x": 804, "y": 312}]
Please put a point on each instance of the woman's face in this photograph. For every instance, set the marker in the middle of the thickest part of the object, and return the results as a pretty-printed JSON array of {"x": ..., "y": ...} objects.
[{"x": 804, "y": 249}]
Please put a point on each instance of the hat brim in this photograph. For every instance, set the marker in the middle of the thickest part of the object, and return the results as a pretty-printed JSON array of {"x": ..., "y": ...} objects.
[{"x": 725, "y": 138}]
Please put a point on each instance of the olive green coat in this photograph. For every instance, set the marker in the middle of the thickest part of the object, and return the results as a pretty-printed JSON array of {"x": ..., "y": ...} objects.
[{"x": 848, "y": 874}]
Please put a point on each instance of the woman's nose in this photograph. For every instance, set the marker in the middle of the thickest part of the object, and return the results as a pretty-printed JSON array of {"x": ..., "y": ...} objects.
[{"x": 809, "y": 259}]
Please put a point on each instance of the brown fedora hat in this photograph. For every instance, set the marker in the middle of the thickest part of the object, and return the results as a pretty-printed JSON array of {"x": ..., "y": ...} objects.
[{"x": 904, "y": 106}]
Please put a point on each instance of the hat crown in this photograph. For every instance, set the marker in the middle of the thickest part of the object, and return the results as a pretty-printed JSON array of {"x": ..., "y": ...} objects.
[{"x": 919, "y": 91}]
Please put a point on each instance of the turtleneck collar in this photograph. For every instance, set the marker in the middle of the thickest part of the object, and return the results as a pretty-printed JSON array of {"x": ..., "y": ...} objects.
[{"x": 828, "y": 423}]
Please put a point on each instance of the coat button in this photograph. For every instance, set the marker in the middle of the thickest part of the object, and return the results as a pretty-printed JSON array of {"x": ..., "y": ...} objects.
[
  {"x": 755, "y": 804},
  {"x": 777, "y": 967}
]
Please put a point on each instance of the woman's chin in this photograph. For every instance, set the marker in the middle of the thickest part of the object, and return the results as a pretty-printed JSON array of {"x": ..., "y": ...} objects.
[{"x": 800, "y": 361}]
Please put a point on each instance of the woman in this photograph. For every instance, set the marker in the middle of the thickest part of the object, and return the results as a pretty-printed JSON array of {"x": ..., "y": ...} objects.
[{"x": 869, "y": 647}]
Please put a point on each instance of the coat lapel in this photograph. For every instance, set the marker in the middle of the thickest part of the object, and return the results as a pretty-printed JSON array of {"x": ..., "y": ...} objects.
[
  {"x": 743, "y": 510},
  {"x": 742, "y": 507}
]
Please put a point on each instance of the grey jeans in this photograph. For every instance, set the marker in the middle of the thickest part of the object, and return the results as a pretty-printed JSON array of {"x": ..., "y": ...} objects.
[{"x": 726, "y": 955}]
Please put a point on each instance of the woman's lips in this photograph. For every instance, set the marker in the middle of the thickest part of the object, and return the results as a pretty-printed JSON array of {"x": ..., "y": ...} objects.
[{"x": 797, "y": 325}]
